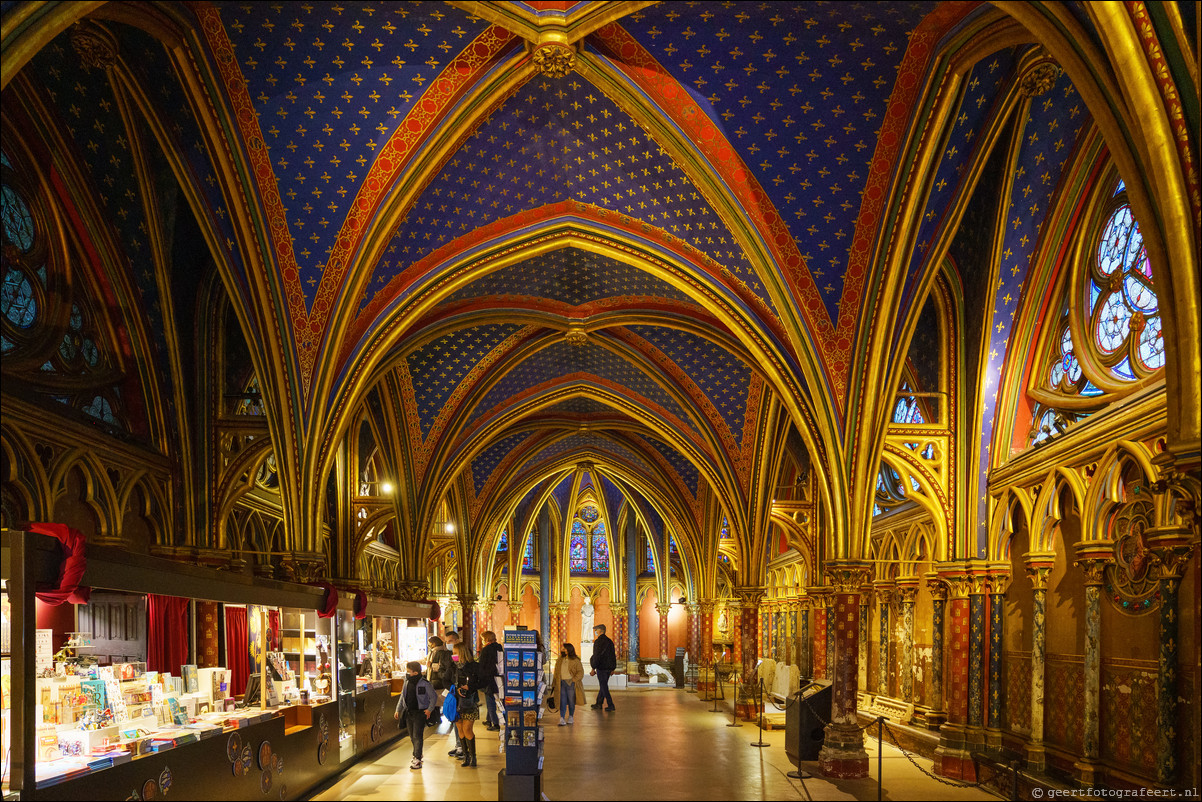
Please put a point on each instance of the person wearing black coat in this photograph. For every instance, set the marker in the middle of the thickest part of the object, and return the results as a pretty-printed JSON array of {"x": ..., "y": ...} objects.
[
  {"x": 490, "y": 658},
  {"x": 466, "y": 683},
  {"x": 603, "y": 663}
]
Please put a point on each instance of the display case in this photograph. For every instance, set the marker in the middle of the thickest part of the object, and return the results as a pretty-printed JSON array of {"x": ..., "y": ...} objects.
[{"x": 97, "y": 728}]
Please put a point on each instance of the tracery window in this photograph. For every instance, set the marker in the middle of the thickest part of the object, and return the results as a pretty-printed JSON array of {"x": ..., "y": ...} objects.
[
  {"x": 1108, "y": 338},
  {"x": 588, "y": 548},
  {"x": 528, "y": 557},
  {"x": 503, "y": 543},
  {"x": 48, "y": 331}
]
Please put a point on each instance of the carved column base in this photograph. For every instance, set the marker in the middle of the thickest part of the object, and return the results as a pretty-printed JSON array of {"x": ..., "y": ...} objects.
[
  {"x": 935, "y": 719},
  {"x": 1037, "y": 758},
  {"x": 953, "y": 757},
  {"x": 843, "y": 755},
  {"x": 1088, "y": 772},
  {"x": 993, "y": 739}
]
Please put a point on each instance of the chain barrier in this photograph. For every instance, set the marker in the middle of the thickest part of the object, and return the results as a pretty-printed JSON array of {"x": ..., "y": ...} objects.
[{"x": 897, "y": 745}]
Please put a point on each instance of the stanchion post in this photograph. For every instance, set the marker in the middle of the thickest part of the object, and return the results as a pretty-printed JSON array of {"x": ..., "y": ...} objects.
[
  {"x": 734, "y": 703},
  {"x": 759, "y": 720},
  {"x": 880, "y": 755},
  {"x": 717, "y": 687}
]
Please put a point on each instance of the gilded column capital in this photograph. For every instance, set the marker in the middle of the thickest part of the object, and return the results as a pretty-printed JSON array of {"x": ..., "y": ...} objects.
[
  {"x": 466, "y": 600},
  {"x": 998, "y": 579},
  {"x": 618, "y": 614},
  {"x": 749, "y": 597},
  {"x": 1169, "y": 550},
  {"x": 559, "y": 608},
  {"x": 663, "y": 608},
  {"x": 883, "y": 590},
  {"x": 706, "y": 606},
  {"x": 846, "y": 576},
  {"x": 936, "y": 586},
  {"x": 1092, "y": 558},
  {"x": 1039, "y": 567},
  {"x": 907, "y": 589}
]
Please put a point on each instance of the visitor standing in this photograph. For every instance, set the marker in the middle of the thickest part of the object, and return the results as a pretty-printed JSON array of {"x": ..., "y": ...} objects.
[
  {"x": 603, "y": 663},
  {"x": 415, "y": 707},
  {"x": 466, "y": 686},
  {"x": 490, "y": 659},
  {"x": 569, "y": 683},
  {"x": 438, "y": 664}
]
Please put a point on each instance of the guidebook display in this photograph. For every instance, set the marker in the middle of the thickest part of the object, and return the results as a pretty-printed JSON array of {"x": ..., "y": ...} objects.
[{"x": 523, "y": 679}]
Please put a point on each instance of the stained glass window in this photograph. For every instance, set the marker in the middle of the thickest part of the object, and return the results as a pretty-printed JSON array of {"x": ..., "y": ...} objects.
[
  {"x": 650, "y": 557},
  {"x": 18, "y": 221},
  {"x": 528, "y": 558},
  {"x": 253, "y": 403},
  {"x": 725, "y": 533},
  {"x": 907, "y": 411},
  {"x": 17, "y": 301},
  {"x": 600, "y": 552},
  {"x": 503, "y": 543},
  {"x": 1126, "y": 323},
  {"x": 589, "y": 514},
  {"x": 101, "y": 409},
  {"x": 578, "y": 554},
  {"x": 578, "y": 528}
]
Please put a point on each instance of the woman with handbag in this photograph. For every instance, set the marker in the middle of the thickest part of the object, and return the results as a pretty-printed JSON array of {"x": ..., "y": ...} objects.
[
  {"x": 466, "y": 683},
  {"x": 568, "y": 683}
]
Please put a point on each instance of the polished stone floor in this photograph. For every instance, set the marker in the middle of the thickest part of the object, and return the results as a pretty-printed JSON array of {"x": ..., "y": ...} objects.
[{"x": 660, "y": 744}]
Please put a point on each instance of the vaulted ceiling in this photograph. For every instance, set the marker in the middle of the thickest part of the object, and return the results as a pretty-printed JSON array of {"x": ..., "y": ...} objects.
[{"x": 639, "y": 235}]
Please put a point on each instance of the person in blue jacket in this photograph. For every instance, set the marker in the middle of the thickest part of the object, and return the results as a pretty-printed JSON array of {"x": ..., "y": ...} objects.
[{"x": 416, "y": 706}]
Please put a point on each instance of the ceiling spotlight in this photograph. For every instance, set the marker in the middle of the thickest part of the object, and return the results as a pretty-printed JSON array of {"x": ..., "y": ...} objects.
[
  {"x": 386, "y": 487},
  {"x": 449, "y": 528}
]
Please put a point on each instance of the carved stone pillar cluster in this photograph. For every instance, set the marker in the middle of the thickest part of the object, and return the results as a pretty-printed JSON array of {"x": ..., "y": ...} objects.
[
  {"x": 952, "y": 756},
  {"x": 748, "y": 650},
  {"x": 1171, "y": 550},
  {"x": 938, "y": 590},
  {"x": 884, "y": 598},
  {"x": 843, "y": 754},
  {"x": 663, "y": 608},
  {"x": 1039, "y": 569},
  {"x": 999, "y": 580},
  {"x": 907, "y": 591},
  {"x": 1092, "y": 558}
]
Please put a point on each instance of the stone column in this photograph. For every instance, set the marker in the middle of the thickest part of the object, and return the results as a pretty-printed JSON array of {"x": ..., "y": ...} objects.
[
  {"x": 694, "y": 630},
  {"x": 999, "y": 580},
  {"x": 632, "y": 596},
  {"x": 818, "y": 641},
  {"x": 705, "y": 646},
  {"x": 619, "y": 636},
  {"x": 843, "y": 754},
  {"x": 559, "y": 627},
  {"x": 865, "y": 618},
  {"x": 907, "y": 590},
  {"x": 484, "y": 619},
  {"x": 1171, "y": 551},
  {"x": 884, "y": 595},
  {"x": 952, "y": 756},
  {"x": 747, "y": 645},
  {"x": 470, "y": 632},
  {"x": 938, "y": 590},
  {"x": 1092, "y": 558},
  {"x": 830, "y": 635},
  {"x": 976, "y": 659},
  {"x": 1039, "y": 569},
  {"x": 544, "y": 574},
  {"x": 805, "y": 646},
  {"x": 663, "y": 608}
]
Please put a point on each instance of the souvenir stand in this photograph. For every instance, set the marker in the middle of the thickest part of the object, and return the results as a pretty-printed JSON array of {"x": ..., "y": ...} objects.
[
  {"x": 77, "y": 730},
  {"x": 380, "y": 677},
  {"x": 524, "y": 683}
]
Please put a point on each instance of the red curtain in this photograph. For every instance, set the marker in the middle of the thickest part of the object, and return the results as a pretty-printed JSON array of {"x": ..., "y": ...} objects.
[
  {"x": 167, "y": 648},
  {"x": 273, "y": 622},
  {"x": 237, "y": 649}
]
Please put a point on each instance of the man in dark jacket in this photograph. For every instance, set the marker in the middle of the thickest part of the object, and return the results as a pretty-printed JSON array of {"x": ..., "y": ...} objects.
[
  {"x": 603, "y": 663},
  {"x": 416, "y": 706},
  {"x": 489, "y": 660}
]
